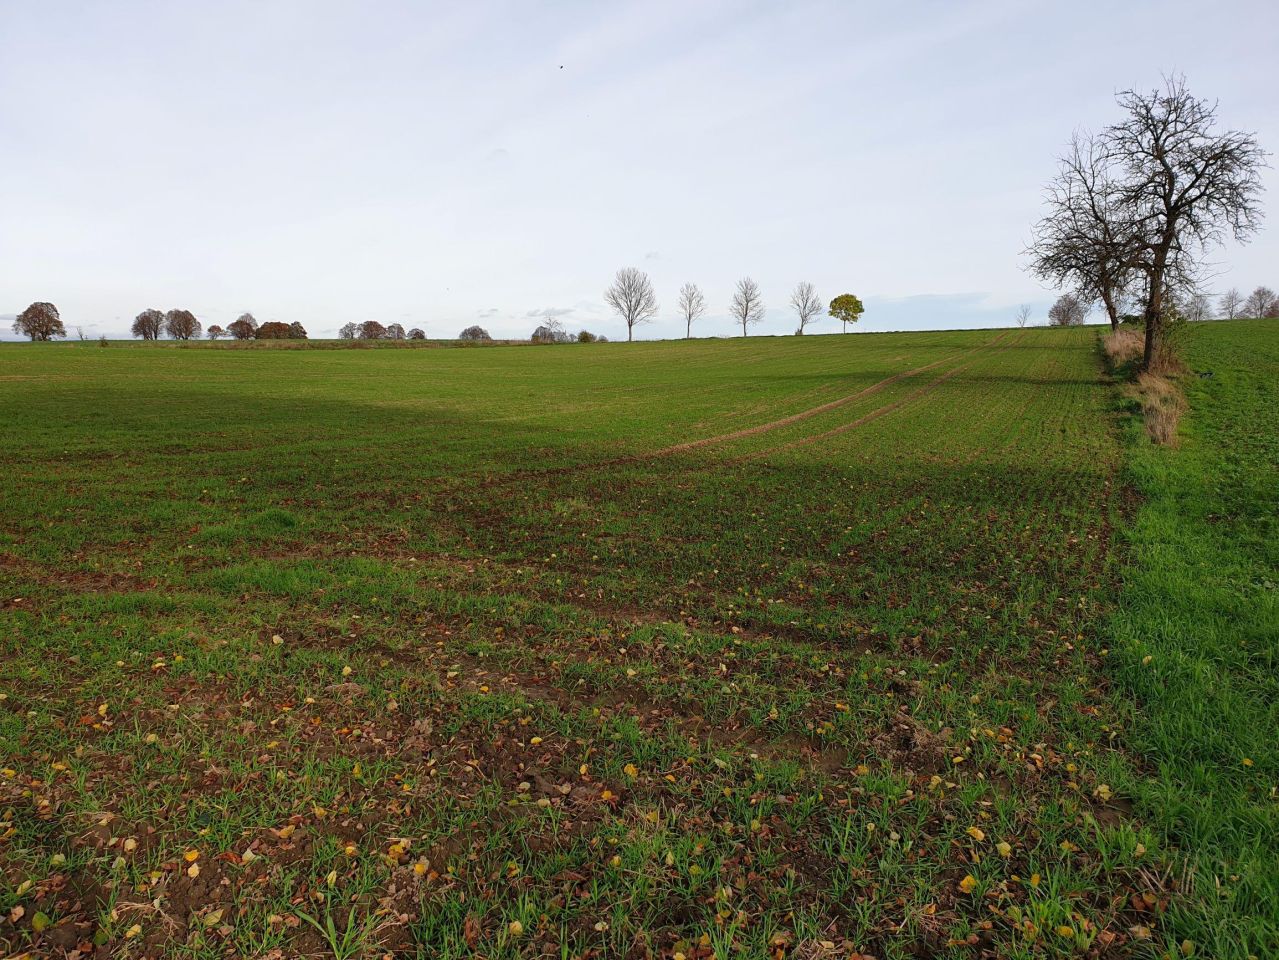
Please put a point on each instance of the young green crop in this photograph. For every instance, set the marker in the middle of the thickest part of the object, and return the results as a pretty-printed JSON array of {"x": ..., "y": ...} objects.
[{"x": 655, "y": 648}]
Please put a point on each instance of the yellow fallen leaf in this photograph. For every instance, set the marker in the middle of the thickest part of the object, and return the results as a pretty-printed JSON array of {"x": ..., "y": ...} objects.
[
  {"x": 193, "y": 871},
  {"x": 1064, "y": 931},
  {"x": 515, "y": 928},
  {"x": 631, "y": 770},
  {"x": 191, "y": 856},
  {"x": 133, "y": 931},
  {"x": 1005, "y": 849},
  {"x": 968, "y": 883},
  {"x": 976, "y": 833}
]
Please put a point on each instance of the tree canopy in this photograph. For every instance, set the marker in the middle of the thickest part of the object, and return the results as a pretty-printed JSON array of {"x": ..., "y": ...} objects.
[{"x": 846, "y": 308}]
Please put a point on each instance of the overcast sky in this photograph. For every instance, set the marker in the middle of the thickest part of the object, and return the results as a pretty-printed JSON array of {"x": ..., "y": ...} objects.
[{"x": 442, "y": 165}]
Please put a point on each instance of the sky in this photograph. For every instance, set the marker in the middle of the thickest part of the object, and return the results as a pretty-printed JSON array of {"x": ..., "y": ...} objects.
[{"x": 439, "y": 165}]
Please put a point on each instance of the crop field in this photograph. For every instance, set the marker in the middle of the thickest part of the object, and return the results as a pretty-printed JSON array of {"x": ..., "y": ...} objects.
[{"x": 791, "y": 647}]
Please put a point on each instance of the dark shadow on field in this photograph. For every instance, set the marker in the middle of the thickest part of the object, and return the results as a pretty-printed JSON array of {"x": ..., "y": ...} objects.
[{"x": 943, "y": 551}]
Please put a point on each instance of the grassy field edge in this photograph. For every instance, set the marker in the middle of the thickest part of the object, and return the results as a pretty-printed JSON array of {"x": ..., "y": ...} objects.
[{"x": 1195, "y": 650}]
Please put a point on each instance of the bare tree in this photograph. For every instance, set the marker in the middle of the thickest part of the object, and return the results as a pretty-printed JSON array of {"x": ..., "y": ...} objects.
[
  {"x": 40, "y": 322},
  {"x": 372, "y": 330},
  {"x": 1087, "y": 239},
  {"x": 1231, "y": 301},
  {"x": 1194, "y": 307},
  {"x": 181, "y": 325},
  {"x": 1068, "y": 311},
  {"x": 349, "y": 331},
  {"x": 1023, "y": 315},
  {"x": 747, "y": 306},
  {"x": 297, "y": 331},
  {"x": 1259, "y": 303},
  {"x": 692, "y": 304},
  {"x": 148, "y": 324},
  {"x": 1185, "y": 187},
  {"x": 395, "y": 332},
  {"x": 632, "y": 297},
  {"x": 474, "y": 333},
  {"x": 417, "y": 333},
  {"x": 806, "y": 303},
  {"x": 213, "y": 333}
]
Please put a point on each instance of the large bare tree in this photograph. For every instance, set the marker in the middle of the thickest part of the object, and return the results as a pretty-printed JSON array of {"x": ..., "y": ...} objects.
[
  {"x": 747, "y": 306},
  {"x": 1231, "y": 301},
  {"x": 632, "y": 297},
  {"x": 1023, "y": 315},
  {"x": 692, "y": 304},
  {"x": 1259, "y": 303},
  {"x": 1087, "y": 240},
  {"x": 1186, "y": 187},
  {"x": 806, "y": 303},
  {"x": 149, "y": 324}
]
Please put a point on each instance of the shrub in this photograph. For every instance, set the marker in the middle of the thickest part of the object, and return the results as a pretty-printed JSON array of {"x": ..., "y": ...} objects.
[{"x": 586, "y": 336}]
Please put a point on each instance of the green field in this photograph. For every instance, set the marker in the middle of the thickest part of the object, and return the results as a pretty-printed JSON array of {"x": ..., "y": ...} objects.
[{"x": 794, "y": 647}]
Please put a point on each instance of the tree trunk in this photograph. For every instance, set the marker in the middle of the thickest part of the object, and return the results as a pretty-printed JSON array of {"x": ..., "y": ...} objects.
[{"x": 630, "y": 332}]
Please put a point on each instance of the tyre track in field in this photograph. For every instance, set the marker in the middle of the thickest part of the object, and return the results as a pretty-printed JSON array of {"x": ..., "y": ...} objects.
[
  {"x": 795, "y": 417},
  {"x": 880, "y": 411},
  {"x": 798, "y": 417}
]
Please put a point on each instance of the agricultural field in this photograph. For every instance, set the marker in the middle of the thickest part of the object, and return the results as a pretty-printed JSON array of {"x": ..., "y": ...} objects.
[{"x": 803, "y": 647}]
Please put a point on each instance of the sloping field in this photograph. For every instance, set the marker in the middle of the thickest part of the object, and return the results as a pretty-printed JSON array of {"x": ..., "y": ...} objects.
[{"x": 787, "y": 647}]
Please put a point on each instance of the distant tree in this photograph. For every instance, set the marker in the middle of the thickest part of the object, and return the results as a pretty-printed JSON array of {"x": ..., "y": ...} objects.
[
  {"x": 1023, "y": 315},
  {"x": 544, "y": 333},
  {"x": 40, "y": 321},
  {"x": 846, "y": 308},
  {"x": 1231, "y": 301},
  {"x": 1259, "y": 303},
  {"x": 273, "y": 330},
  {"x": 181, "y": 325},
  {"x": 214, "y": 332},
  {"x": 395, "y": 332},
  {"x": 1068, "y": 311},
  {"x": 297, "y": 331},
  {"x": 243, "y": 327},
  {"x": 1195, "y": 307},
  {"x": 417, "y": 333},
  {"x": 148, "y": 324},
  {"x": 474, "y": 333},
  {"x": 692, "y": 304},
  {"x": 372, "y": 330},
  {"x": 747, "y": 305},
  {"x": 585, "y": 336},
  {"x": 632, "y": 297},
  {"x": 806, "y": 303},
  {"x": 349, "y": 331}
]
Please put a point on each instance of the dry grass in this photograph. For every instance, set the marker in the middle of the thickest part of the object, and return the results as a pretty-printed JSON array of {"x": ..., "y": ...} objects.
[
  {"x": 1156, "y": 390},
  {"x": 1162, "y": 405},
  {"x": 1123, "y": 346}
]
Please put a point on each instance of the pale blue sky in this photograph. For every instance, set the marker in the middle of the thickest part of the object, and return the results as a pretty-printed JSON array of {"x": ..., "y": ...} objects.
[{"x": 442, "y": 165}]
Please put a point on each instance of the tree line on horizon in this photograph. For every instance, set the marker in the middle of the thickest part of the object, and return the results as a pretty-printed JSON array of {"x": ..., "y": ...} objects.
[
  {"x": 1071, "y": 309},
  {"x": 632, "y": 298}
]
